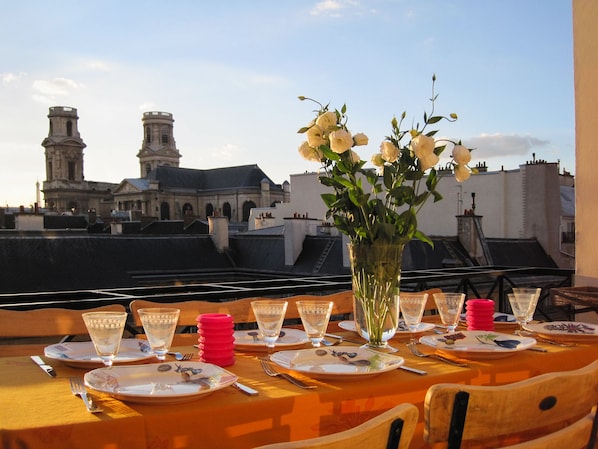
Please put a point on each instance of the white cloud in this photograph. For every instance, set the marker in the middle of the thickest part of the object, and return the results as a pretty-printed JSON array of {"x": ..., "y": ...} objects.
[
  {"x": 47, "y": 91},
  {"x": 332, "y": 7},
  {"x": 228, "y": 152},
  {"x": 10, "y": 78},
  {"x": 99, "y": 66},
  {"x": 500, "y": 145}
]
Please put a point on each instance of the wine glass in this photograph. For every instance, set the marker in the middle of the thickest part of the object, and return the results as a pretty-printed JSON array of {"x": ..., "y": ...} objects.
[
  {"x": 412, "y": 307},
  {"x": 449, "y": 306},
  {"x": 269, "y": 315},
  {"x": 315, "y": 316},
  {"x": 106, "y": 331},
  {"x": 523, "y": 303},
  {"x": 159, "y": 325}
]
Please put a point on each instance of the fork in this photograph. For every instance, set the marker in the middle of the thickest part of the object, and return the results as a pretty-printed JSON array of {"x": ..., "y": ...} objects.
[
  {"x": 78, "y": 389},
  {"x": 181, "y": 357},
  {"x": 415, "y": 351},
  {"x": 542, "y": 339},
  {"x": 273, "y": 373}
]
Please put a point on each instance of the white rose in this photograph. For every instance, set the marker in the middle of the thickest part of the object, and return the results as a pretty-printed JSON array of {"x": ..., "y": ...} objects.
[
  {"x": 326, "y": 120},
  {"x": 422, "y": 145},
  {"x": 378, "y": 160},
  {"x": 390, "y": 153},
  {"x": 429, "y": 161},
  {"x": 315, "y": 136},
  {"x": 340, "y": 141},
  {"x": 310, "y": 153},
  {"x": 461, "y": 173},
  {"x": 360, "y": 139},
  {"x": 461, "y": 155}
]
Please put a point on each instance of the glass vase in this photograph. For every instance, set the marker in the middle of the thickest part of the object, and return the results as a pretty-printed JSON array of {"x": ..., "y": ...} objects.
[{"x": 376, "y": 276}]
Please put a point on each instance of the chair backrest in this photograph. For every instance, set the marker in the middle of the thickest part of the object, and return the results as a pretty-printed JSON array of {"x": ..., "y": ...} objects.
[
  {"x": 392, "y": 429},
  {"x": 539, "y": 410},
  {"x": 18, "y": 328},
  {"x": 240, "y": 309}
]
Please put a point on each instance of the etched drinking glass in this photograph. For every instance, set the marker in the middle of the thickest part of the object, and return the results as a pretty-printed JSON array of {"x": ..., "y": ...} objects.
[
  {"x": 315, "y": 316},
  {"x": 449, "y": 307},
  {"x": 269, "y": 315},
  {"x": 412, "y": 307},
  {"x": 159, "y": 325},
  {"x": 523, "y": 304},
  {"x": 106, "y": 331}
]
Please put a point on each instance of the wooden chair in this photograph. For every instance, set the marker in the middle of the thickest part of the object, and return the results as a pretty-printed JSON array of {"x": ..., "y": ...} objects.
[
  {"x": 391, "y": 430},
  {"x": 239, "y": 309},
  {"x": 549, "y": 411},
  {"x": 52, "y": 325}
]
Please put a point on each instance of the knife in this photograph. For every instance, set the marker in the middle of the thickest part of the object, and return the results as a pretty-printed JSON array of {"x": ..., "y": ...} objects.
[
  {"x": 245, "y": 389},
  {"x": 413, "y": 370},
  {"x": 47, "y": 368}
]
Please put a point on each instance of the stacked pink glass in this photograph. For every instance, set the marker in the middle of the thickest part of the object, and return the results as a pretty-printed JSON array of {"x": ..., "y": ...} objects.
[
  {"x": 480, "y": 314},
  {"x": 216, "y": 338}
]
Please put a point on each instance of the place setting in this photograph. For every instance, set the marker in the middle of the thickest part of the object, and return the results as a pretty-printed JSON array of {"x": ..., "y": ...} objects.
[
  {"x": 136, "y": 370},
  {"x": 319, "y": 361},
  {"x": 480, "y": 340}
]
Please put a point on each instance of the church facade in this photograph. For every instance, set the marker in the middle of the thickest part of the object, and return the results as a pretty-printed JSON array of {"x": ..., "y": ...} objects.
[{"x": 163, "y": 191}]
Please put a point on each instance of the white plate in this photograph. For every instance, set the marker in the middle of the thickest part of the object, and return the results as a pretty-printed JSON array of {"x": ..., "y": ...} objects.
[
  {"x": 337, "y": 362},
  {"x": 478, "y": 344},
  {"x": 82, "y": 354},
  {"x": 250, "y": 340},
  {"x": 160, "y": 383},
  {"x": 402, "y": 329},
  {"x": 565, "y": 330}
]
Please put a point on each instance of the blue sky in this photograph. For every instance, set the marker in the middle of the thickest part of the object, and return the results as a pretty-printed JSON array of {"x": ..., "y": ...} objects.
[{"x": 230, "y": 72}]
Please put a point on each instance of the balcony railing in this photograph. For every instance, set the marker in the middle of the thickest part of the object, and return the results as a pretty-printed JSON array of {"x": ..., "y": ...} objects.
[{"x": 477, "y": 282}]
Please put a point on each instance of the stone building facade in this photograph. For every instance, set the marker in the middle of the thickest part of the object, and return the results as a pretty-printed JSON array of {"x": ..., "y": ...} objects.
[
  {"x": 65, "y": 188},
  {"x": 164, "y": 191}
]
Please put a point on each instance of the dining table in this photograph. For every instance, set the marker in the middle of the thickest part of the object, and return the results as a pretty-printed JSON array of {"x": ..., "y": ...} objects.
[{"x": 39, "y": 411}]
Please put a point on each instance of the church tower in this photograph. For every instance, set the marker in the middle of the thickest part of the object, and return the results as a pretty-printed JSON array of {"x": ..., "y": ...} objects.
[
  {"x": 158, "y": 147},
  {"x": 64, "y": 182},
  {"x": 64, "y": 146}
]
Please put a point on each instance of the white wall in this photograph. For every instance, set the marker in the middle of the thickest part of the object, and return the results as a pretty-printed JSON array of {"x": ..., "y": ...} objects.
[{"x": 585, "y": 52}]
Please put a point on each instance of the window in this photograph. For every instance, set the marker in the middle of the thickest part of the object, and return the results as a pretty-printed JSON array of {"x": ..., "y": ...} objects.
[
  {"x": 247, "y": 206},
  {"x": 69, "y": 128},
  {"x": 164, "y": 211},
  {"x": 148, "y": 135},
  {"x": 71, "y": 171},
  {"x": 226, "y": 210},
  {"x": 209, "y": 210},
  {"x": 164, "y": 135},
  {"x": 148, "y": 169},
  {"x": 187, "y": 209}
]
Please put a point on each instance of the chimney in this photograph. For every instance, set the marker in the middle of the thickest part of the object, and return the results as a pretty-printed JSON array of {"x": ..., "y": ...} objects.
[
  {"x": 472, "y": 237},
  {"x": 218, "y": 229},
  {"x": 295, "y": 230}
]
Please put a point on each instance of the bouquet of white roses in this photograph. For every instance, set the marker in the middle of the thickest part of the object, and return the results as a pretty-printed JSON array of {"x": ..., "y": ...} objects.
[{"x": 385, "y": 211}]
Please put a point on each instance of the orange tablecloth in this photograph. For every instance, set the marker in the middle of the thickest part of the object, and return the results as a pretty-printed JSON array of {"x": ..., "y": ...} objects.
[{"x": 37, "y": 411}]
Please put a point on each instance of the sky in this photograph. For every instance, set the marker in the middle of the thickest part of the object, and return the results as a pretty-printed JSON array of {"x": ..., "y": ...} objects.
[{"x": 231, "y": 71}]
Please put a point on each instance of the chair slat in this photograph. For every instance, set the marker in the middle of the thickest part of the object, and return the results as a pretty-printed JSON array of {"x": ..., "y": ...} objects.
[
  {"x": 522, "y": 410},
  {"x": 376, "y": 433}
]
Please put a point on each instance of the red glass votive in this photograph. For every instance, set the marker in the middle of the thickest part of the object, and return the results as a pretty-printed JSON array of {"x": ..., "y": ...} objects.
[
  {"x": 480, "y": 314},
  {"x": 216, "y": 338}
]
